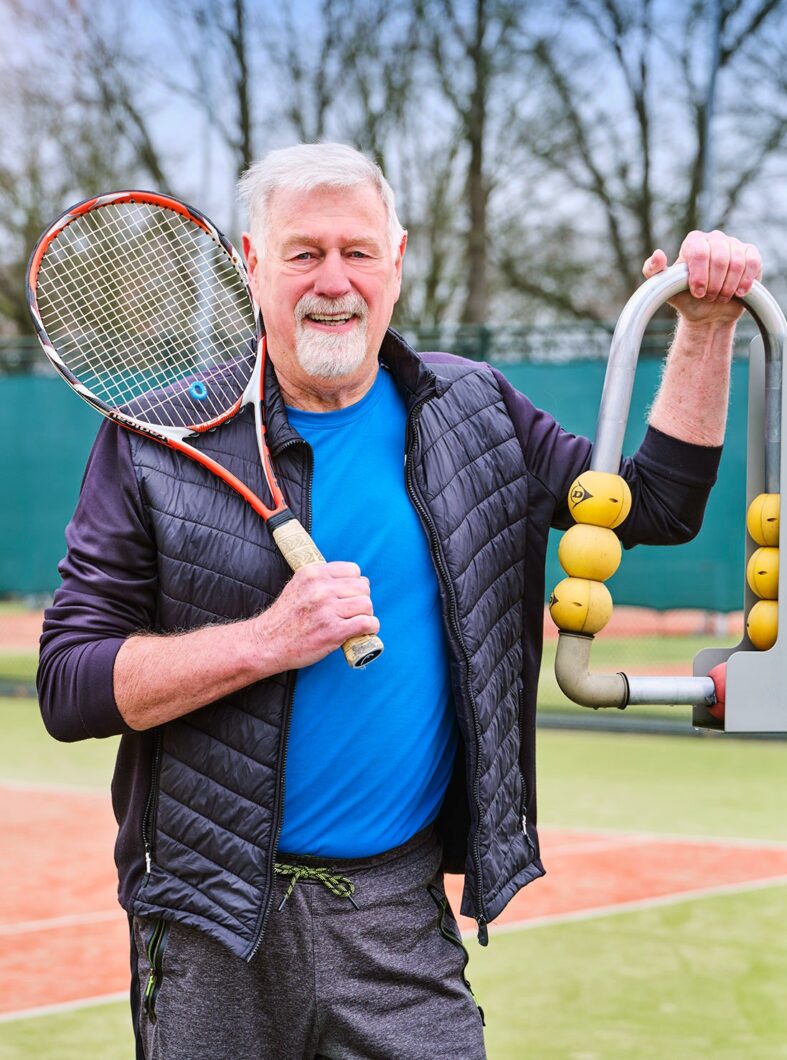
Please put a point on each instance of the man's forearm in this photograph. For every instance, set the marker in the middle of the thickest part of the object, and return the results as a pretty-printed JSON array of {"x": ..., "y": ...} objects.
[
  {"x": 692, "y": 400},
  {"x": 158, "y": 678}
]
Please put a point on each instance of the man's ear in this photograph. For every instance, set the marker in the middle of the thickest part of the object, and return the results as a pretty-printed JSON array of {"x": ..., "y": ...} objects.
[
  {"x": 400, "y": 256},
  {"x": 250, "y": 254},
  {"x": 248, "y": 249},
  {"x": 398, "y": 264}
]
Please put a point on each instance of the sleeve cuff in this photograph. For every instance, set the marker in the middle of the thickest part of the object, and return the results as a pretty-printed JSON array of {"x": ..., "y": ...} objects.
[
  {"x": 98, "y": 709},
  {"x": 682, "y": 462}
]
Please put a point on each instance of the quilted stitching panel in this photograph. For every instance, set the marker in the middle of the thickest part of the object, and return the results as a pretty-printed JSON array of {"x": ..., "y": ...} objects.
[{"x": 474, "y": 481}]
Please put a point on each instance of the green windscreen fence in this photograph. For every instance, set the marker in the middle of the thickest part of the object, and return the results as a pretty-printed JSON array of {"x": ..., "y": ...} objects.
[{"x": 46, "y": 433}]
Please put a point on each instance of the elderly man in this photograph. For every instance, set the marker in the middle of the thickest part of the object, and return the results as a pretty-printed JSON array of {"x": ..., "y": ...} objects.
[{"x": 284, "y": 821}]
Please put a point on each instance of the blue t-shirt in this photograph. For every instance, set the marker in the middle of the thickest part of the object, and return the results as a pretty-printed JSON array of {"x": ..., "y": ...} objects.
[{"x": 370, "y": 752}]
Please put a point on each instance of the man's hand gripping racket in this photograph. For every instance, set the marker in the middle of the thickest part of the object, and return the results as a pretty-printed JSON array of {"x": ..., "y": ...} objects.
[{"x": 144, "y": 308}]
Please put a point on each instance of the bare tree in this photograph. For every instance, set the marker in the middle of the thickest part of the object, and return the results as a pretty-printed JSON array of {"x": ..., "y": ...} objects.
[
  {"x": 626, "y": 160},
  {"x": 474, "y": 49},
  {"x": 219, "y": 39},
  {"x": 539, "y": 152},
  {"x": 68, "y": 131}
]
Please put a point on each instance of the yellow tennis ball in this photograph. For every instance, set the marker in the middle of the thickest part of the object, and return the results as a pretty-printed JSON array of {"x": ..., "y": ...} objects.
[
  {"x": 600, "y": 498},
  {"x": 587, "y": 551},
  {"x": 579, "y": 605},
  {"x": 762, "y": 573},
  {"x": 762, "y": 519},
  {"x": 762, "y": 625}
]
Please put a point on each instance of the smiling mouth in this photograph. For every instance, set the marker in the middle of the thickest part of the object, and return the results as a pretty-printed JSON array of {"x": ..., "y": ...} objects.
[{"x": 331, "y": 319}]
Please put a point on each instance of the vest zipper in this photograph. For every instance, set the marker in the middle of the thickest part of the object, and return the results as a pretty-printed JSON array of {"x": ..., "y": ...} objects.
[
  {"x": 453, "y": 615},
  {"x": 285, "y": 734},
  {"x": 150, "y": 805},
  {"x": 523, "y": 803}
]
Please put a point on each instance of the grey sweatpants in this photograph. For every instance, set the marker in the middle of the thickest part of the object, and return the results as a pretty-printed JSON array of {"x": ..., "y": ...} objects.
[{"x": 376, "y": 977}]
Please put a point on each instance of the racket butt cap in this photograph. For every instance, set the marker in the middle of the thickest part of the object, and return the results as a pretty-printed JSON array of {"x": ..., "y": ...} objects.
[{"x": 360, "y": 651}]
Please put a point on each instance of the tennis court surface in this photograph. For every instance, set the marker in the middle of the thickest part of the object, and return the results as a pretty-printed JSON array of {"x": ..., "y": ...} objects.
[{"x": 63, "y": 938}]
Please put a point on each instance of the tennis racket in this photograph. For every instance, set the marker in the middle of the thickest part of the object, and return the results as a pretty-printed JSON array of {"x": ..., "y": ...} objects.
[{"x": 144, "y": 308}]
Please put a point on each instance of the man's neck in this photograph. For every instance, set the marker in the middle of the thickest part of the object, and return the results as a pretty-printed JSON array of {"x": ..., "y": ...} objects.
[{"x": 325, "y": 395}]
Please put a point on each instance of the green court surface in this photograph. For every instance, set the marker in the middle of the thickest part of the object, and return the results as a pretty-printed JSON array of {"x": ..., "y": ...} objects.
[{"x": 700, "y": 978}]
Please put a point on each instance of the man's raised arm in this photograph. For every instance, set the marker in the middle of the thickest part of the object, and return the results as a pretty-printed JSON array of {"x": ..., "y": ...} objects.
[{"x": 692, "y": 400}]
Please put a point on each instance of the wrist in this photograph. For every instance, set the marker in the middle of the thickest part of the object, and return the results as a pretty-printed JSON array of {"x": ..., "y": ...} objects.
[
  {"x": 260, "y": 653},
  {"x": 711, "y": 327}
]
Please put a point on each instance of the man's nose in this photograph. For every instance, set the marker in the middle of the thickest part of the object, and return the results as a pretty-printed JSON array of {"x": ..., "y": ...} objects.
[{"x": 331, "y": 279}]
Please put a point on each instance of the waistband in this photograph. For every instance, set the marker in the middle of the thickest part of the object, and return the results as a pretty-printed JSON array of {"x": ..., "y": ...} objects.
[{"x": 422, "y": 844}]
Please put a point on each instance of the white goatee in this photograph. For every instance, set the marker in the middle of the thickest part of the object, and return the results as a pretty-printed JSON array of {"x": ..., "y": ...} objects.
[{"x": 324, "y": 355}]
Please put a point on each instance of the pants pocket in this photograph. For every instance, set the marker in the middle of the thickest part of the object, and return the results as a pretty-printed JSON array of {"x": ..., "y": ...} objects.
[
  {"x": 155, "y": 949},
  {"x": 449, "y": 931}
]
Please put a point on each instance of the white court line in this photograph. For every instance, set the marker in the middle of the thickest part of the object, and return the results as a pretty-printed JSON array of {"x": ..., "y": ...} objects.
[
  {"x": 599, "y": 911},
  {"x": 64, "y": 1006},
  {"x": 25, "y": 927}
]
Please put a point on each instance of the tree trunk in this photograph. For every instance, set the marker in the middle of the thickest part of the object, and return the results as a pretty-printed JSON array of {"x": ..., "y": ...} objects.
[{"x": 476, "y": 305}]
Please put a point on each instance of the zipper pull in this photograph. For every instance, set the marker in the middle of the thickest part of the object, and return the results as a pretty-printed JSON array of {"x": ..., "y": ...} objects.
[
  {"x": 148, "y": 861},
  {"x": 150, "y": 986},
  {"x": 483, "y": 933}
]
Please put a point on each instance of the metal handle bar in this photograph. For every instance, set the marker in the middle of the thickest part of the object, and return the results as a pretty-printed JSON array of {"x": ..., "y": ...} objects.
[{"x": 624, "y": 353}]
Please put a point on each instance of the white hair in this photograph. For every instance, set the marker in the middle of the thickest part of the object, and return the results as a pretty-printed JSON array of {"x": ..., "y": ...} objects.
[{"x": 305, "y": 168}]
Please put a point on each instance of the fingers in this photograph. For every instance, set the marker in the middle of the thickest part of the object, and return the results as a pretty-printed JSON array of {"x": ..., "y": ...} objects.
[
  {"x": 342, "y": 580},
  {"x": 340, "y": 569},
  {"x": 352, "y": 606},
  {"x": 657, "y": 262},
  {"x": 323, "y": 605},
  {"x": 720, "y": 266},
  {"x": 752, "y": 270},
  {"x": 359, "y": 626}
]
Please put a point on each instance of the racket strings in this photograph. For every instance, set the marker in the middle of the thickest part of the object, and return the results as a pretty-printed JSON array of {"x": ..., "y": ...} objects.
[{"x": 148, "y": 313}]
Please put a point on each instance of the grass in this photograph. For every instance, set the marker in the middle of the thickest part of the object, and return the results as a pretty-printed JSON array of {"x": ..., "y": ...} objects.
[
  {"x": 101, "y": 1031},
  {"x": 700, "y": 979},
  {"x": 717, "y": 786},
  {"x": 29, "y": 754},
  {"x": 18, "y": 666},
  {"x": 14, "y": 606}
]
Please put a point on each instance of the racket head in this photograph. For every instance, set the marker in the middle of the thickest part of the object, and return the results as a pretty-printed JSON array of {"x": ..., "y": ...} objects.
[{"x": 143, "y": 306}]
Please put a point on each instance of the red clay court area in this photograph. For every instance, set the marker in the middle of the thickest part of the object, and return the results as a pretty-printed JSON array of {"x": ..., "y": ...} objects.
[{"x": 64, "y": 939}]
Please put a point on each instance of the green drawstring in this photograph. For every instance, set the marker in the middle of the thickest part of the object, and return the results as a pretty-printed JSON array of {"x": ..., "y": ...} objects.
[{"x": 338, "y": 885}]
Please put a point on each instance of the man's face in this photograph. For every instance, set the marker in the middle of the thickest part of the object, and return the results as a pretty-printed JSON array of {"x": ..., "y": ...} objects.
[{"x": 326, "y": 282}]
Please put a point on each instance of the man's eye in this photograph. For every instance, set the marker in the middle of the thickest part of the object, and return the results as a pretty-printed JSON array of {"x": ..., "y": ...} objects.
[
  {"x": 304, "y": 255},
  {"x": 358, "y": 254}
]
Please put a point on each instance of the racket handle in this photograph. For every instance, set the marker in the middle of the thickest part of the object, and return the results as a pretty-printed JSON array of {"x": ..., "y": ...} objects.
[
  {"x": 297, "y": 547},
  {"x": 295, "y": 544}
]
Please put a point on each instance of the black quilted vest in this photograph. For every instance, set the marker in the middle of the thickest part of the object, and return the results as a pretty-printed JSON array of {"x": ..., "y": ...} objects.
[{"x": 213, "y": 815}]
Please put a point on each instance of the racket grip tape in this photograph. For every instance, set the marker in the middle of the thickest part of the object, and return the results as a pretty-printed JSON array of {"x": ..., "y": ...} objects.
[
  {"x": 295, "y": 544},
  {"x": 297, "y": 547}
]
